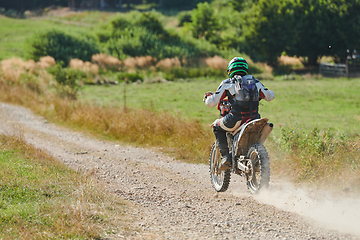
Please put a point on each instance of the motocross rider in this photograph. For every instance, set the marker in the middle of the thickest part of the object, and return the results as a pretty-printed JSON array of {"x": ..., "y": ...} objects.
[{"x": 237, "y": 70}]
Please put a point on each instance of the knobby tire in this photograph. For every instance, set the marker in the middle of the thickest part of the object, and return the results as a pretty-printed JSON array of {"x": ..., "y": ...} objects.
[
  {"x": 261, "y": 162},
  {"x": 219, "y": 181}
]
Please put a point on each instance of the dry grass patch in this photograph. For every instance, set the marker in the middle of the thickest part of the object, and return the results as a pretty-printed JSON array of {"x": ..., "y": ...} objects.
[
  {"x": 106, "y": 62},
  {"x": 184, "y": 139},
  {"x": 86, "y": 67},
  {"x": 42, "y": 199},
  {"x": 293, "y": 61},
  {"x": 47, "y": 61},
  {"x": 14, "y": 69},
  {"x": 140, "y": 62},
  {"x": 217, "y": 62},
  {"x": 168, "y": 63}
]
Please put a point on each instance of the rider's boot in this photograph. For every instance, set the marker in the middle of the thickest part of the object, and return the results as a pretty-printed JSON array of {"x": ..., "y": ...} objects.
[
  {"x": 221, "y": 138},
  {"x": 225, "y": 163}
]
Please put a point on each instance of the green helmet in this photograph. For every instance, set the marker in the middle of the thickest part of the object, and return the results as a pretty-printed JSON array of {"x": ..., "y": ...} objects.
[{"x": 237, "y": 65}]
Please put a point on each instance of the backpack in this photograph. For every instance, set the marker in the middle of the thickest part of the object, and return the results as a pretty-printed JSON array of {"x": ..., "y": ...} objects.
[
  {"x": 250, "y": 95},
  {"x": 249, "y": 89}
]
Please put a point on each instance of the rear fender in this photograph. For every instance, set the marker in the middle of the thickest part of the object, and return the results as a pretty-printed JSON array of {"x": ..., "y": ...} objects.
[{"x": 256, "y": 131}]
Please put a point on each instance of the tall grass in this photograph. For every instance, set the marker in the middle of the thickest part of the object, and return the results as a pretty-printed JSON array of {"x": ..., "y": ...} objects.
[
  {"x": 42, "y": 199},
  {"x": 320, "y": 155}
]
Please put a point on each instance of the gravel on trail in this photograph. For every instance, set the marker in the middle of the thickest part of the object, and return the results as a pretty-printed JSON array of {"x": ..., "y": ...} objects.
[{"x": 172, "y": 199}]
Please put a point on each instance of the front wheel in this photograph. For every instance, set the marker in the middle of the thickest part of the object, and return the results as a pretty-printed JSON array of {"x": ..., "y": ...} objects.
[
  {"x": 258, "y": 176},
  {"x": 220, "y": 181}
]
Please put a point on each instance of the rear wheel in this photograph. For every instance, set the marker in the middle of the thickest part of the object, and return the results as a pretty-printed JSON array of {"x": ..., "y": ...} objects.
[
  {"x": 258, "y": 176},
  {"x": 220, "y": 181}
]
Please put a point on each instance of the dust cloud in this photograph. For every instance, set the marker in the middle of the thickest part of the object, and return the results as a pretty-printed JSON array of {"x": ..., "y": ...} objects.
[{"x": 333, "y": 211}]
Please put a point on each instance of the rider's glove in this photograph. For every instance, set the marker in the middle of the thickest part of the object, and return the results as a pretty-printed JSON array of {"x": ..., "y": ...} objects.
[{"x": 206, "y": 95}]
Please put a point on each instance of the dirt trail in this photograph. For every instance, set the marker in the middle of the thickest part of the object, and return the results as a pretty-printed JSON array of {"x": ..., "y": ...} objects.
[{"x": 175, "y": 200}]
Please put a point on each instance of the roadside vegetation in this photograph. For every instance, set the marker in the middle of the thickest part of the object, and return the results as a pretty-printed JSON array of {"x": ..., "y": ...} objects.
[
  {"x": 139, "y": 77},
  {"x": 309, "y": 147},
  {"x": 40, "y": 198}
]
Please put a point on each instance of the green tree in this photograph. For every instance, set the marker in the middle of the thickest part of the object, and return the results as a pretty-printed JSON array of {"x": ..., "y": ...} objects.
[
  {"x": 240, "y": 5},
  {"x": 305, "y": 28},
  {"x": 204, "y": 22},
  {"x": 350, "y": 23},
  {"x": 63, "y": 47},
  {"x": 316, "y": 29},
  {"x": 142, "y": 35},
  {"x": 268, "y": 29}
]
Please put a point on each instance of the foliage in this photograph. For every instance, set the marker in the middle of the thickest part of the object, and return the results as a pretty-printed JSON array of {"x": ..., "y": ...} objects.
[
  {"x": 262, "y": 29},
  {"x": 11, "y": 13},
  {"x": 131, "y": 77},
  {"x": 318, "y": 151},
  {"x": 62, "y": 46},
  {"x": 204, "y": 22},
  {"x": 269, "y": 29},
  {"x": 240, "y": 4},
  {"x": 142, "y": 34},
  {"x": 184, "y": 17},
  {"x": 302, "y": 28},
  {"x": 324, "y": 40},
  {"x": 317, "y": 142},
  {"x": 68, "y": 80}
]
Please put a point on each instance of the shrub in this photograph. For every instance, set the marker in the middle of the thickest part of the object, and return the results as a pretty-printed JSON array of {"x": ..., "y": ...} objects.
[
  {"x": 319, "y": 152},
  {"x": 152, "y": 23},
  {"x": 184, "y": 17},
  {"x": 130, "y": 77},
  {"x": 142, "y": 34},
  {"x": 68, "y": 80},
  {"x": 62, "y": 46},
  {"x": 204, "y": 22}
]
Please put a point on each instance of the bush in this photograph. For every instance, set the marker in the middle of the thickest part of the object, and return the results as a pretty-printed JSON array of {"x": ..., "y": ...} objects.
[
  {"x": 142, "y": 34},
  {"x": 62, "y": 46},
  {"x": 184, "y": 17},
  {"x": 68, "y": 80},
  {"x": 318, "y": 153},
  {"x": 130, "y": 77}
]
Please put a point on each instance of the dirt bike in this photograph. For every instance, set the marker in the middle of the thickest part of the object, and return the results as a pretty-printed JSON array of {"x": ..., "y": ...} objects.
[{"x": 249, "y": 155}]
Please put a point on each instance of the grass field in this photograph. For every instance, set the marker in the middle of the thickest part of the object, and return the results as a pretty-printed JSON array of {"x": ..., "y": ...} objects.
[
  {"x": 42, "y": 199},
  {"x": 15, "y": 34},
  {"x": 325, "y": 103}
]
